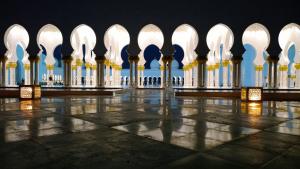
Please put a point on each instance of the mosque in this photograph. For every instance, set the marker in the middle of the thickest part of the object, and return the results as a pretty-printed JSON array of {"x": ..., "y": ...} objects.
[{"x": 151, "y": 60}]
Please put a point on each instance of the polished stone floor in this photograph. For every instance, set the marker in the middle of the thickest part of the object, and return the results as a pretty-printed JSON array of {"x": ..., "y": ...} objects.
[{"x": 148, "y": 129}]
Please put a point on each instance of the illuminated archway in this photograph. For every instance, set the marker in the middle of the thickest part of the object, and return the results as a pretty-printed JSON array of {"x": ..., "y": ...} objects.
[
  {"x": 187, "y": 38},
  {"x": 115, "y": 39},
  {"x": 219, "y": 41},
  {"x": 83, "y": 41},
  {"x": 148, "y": 35},
  {"x": 289, "y": 58},
  {"x": 256, "y": 39},
  {"x": 16, "y": 40},
  {"x": 49, "y": 39}
]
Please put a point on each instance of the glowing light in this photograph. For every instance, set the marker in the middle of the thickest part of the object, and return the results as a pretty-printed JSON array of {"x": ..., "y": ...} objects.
[
  {"x": 251, "y": 94},
  {"x": 30, "y": 92},
  {"x": 26, "y": 105},
  {"x": 37, "y": 92},
  {"x": 26, "y": 92},
  {"x": 254, "y": 94}
]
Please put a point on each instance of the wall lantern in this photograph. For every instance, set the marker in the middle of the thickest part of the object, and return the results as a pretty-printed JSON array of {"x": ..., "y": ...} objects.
[
  {"x": 30, "y": 92},
  {"x": 252, "y": 94}
]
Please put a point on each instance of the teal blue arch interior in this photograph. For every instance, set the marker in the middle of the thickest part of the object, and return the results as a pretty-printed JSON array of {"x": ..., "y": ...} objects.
[
  {"x": 265, "y": 67},
  {"x": 20, "y": 68},
  {"x": 154, "y": 64},
  {"x": 221, "y": 65},
  {"x": 176, "y": 70},
  {"x": 291, "y": 56},
  {"x": 154, "y": 69},
  {"x": 58, "y": 66},
  {"x": 248, "y": 69},
  {"x": 42, "y": 66}
]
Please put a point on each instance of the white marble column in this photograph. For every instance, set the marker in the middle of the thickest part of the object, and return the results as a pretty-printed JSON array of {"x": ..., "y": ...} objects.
[
  {"x": 283, "y": 81},
  {"x": 161, "y": 77},
  {"x": 258, "y": 76},
  {"x": 297, "y": 80},
  {"x": 117, "y": 77},
  {"x": 78, "y": 75},
  {"x": 94, "y": 76},
  {"x": 27, "y": 74},
  {"x": 142, "y": 78},
  {"x": 139, "y": 77},
  {"x": 113, "y": 76},
  {"x": 230, "y": 82},
  {"x": 88, "y": 75},
  {"x": 74, "y": 75},
  {"x": 225, "y": 73},
  {"x": 216, "y": 77},
  {"x": 187, "y": 79},
  {"x": 190, "y": 72},
  {"x": 12, "y": 71},
  {"x": 107, "y": 75},
  {"x": 7, "y": 82},
  {"x": 210, "y": 80},
  {"x": 195, "y": 76}
]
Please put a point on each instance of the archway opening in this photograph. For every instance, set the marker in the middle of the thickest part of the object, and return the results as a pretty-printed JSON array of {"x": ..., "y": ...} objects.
[
  {"x": 177, "y": 72},
  {"x": 152, "y": 66},
  {"x": 20, "y": 66}
]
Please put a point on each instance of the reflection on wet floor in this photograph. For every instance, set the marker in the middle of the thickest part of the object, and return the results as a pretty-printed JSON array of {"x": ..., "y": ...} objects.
[
  {"x": 17, "y": 130},
  {"x": 156, "y": 115},
  {"x": 200, "y": 124},
  {"x": 188, "y": 133},
  {"x": 288, "y": 127}
]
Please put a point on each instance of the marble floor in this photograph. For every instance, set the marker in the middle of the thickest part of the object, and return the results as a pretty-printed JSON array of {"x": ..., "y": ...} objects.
[{"x": 148, "y": 129}]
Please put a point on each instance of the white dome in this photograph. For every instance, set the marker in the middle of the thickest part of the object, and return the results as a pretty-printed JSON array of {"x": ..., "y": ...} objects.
[
  {"x": 15, "y": 35},
  {"x": 257, "y": 35},
  {"x": 187, "y": 38},
  {"x": 150, "y": 35},
  {"x": 115, "y": 39},
  {"x": 83, "y": 35},
  {"x": 290, "y": 34},
  {"x": 184, "y": 34},
  {"x": 49, "y": 36},
  {"x": 220, "y": 34}
]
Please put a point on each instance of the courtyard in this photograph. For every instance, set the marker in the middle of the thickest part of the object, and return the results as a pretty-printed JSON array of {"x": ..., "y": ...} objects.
[{"x": 148, "y": 128}]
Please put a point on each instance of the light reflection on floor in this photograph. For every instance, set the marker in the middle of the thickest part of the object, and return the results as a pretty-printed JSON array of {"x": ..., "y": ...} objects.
[
  {"x": 186, "y": 134},
  {"x": 198, "y": 124},
  {"x": 18, "y": 130}
]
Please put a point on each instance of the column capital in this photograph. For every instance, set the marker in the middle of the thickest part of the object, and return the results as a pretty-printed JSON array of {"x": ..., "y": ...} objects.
[
  {"x": 136, "y": 59},
  {"x": 201, "y": 59},
  {"x": 167, "y": 58},
  {"x": 272, "y": 59},
  {"x": 67, "y": 58},
  {"x": 237, "y": 60},
  {"x": 33, "y": 58},
  {"x": 130, "y": 58},
  {"x": 100, "y": 59},
  {"x": 3, "y": 58}
]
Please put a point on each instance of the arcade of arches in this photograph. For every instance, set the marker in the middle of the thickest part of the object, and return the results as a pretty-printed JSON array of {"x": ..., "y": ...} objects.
[{"x": 149, "y": 65}]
